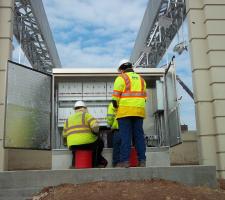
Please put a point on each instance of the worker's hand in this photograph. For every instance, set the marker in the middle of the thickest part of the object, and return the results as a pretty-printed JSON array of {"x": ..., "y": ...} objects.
[
  {"x": 115, "y": 105},
  {"x": 95, "y": 130}
]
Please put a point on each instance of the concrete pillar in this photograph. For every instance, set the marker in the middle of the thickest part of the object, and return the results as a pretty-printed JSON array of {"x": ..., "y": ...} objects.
[
  {"x": 206, "y": 20},
  {"x": 214, "y": 11},
  {"x": 6, "y": 33}
]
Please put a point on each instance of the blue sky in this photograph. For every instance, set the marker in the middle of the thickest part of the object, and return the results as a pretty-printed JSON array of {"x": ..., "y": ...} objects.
[
  {"x": 94, "y": 33},
  {"x": 99, "y": 33}
]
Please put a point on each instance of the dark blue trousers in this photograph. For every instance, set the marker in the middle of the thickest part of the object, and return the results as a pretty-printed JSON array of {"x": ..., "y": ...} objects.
[
  {"x": 116, "y": 147},
  {"x": 131, "y": 127}
]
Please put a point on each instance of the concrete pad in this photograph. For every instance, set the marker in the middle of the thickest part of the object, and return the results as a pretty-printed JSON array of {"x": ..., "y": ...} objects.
[
  {"x": 21, "y": 182},
  {"x": 62, "y": 158}
]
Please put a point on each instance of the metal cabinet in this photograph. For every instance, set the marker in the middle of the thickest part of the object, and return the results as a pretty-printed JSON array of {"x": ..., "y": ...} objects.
[
  {"x": 161, "y": 125},
  {"x": 38, "y": 104}
]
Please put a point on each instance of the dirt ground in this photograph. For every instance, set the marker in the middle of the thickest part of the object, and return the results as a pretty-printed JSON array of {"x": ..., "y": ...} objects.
[{"x": 131, "y": 190}]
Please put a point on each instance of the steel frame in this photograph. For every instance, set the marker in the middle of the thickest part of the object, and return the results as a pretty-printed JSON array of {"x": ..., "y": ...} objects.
[
  {"x": 31, "y": 38},
  {"x": 165, "y": 26}
]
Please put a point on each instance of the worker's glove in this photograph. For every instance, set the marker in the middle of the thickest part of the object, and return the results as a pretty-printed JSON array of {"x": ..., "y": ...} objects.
[
  {"x": 114, "y": 102},
  {"x": 95, "y": 130}
]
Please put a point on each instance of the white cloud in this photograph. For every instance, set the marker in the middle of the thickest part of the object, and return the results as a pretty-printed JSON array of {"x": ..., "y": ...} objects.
[
  {"x": 75, "y": 56},
  {"x": 119, "y": 14},
  {"x": 94, "y": 33}
]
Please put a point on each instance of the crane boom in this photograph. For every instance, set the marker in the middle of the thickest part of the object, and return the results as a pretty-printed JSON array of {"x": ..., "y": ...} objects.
[{"x": 185, "y": 87}]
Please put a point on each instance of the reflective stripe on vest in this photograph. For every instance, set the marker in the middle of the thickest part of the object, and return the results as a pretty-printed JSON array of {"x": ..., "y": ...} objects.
[
  {"x": 82, "y": 131},
  {"x": 77, "y": 126},
  {"x": 110, "y": 115},
  {"x": 132, "y": 94},
  {"x": 117, "y": 93},
  {"x": 90, "y": 120},
  {"x": 85, "y": 128}
]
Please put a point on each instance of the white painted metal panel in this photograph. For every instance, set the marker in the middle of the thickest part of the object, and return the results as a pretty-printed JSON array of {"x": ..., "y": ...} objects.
[
  {"x": 94, "y": 91},
  {"x": 63, "y": 114},
  {"x": 100, "y": 113},
  {"x": 109, "y": 90},
  {"x": 70, "y": 91},
  {"x": 159, "y": 95},
  {"x": 100, "y": 89},
  {"x": 91, "y": 72}
]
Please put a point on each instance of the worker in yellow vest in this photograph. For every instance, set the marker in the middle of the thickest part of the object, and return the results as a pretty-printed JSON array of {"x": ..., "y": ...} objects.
[
  {"x": 81, "y": 132},
  {"x": 129, "y": 98},
  {"x": 113, "y": 124}
]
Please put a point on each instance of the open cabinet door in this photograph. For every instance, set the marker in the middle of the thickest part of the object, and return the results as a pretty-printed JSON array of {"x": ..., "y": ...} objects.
[
  {"x": 28, "y": 108},
  {"x": 172, "y": 119}
]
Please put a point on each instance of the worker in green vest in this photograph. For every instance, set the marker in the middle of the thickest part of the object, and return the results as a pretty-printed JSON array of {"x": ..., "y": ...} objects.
[
  {"x": 113, "y": 124},
  {"x": 129, "y": 97},
  {"x": 81, "y": 132}
]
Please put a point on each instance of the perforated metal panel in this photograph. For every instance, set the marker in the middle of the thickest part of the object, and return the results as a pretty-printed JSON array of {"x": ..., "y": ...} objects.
[{"x": 28, "y": 111}]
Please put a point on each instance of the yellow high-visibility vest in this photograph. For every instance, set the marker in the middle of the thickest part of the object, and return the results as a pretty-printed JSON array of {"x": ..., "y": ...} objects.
[
  {"x": 130, "y": 93},
  {"x": 111, "y": 117},
  {"x": 77, "y": 129}
]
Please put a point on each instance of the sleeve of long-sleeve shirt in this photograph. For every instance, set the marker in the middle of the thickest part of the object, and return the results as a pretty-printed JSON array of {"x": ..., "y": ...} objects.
[
  {"x": 109, "y": 119},
  {"x": 65, "y": 128},
  {"x": 118, "y": 88},
  {"x": 110, "y": 115},
  {"x": 93, "y": 123}
]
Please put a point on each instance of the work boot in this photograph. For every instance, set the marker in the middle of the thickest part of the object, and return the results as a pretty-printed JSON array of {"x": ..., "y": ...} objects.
[
  {"x": 142, "y": 163},
  {"x": 123, "y": 165},
  {"x": 103, "y": 163},
  {"x": 114, "y": 165}
]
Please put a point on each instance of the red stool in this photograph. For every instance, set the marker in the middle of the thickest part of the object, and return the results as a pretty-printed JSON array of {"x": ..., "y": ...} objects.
[
  {"x": 133, "y": 157},
  {"x": 83, "y": 159}
]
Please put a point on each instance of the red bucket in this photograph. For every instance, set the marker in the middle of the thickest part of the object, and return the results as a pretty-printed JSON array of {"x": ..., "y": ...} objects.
[
  {"x": 133, "y": 157},
  {"x": 83, "y": 159}
]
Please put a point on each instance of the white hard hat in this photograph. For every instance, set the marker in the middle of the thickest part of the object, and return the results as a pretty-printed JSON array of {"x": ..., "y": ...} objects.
[
  {"x": 124, "y": 64},
  {"x": 123, "y": 61},
  {"x": 79, "y": 104}
]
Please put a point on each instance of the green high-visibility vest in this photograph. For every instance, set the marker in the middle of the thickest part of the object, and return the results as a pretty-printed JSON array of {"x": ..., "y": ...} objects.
[
  {"x": 77, "y": 129},
  {"x": 130, "y": 93},
  {"x": 111, "y": 117}
]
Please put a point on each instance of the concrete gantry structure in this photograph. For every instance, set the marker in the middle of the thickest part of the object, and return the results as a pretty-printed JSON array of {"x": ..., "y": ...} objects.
[
  {"x": 207, "y": 43},
  {"x": 6, "y": 34}
]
